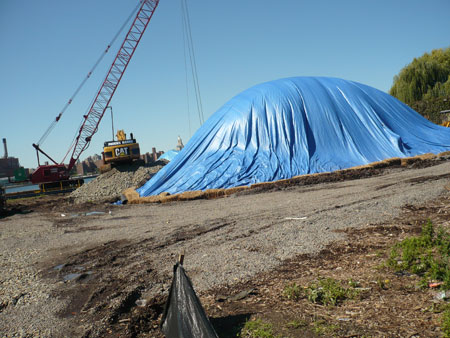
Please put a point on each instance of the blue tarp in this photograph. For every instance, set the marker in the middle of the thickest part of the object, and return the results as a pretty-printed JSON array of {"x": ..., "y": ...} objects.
[
  {"x": 168, "y": 155},
  {"x": 296, "y": 126}
]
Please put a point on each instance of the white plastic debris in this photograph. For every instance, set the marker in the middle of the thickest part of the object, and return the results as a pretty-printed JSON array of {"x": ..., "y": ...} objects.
[{"x": 141, "y": 302}]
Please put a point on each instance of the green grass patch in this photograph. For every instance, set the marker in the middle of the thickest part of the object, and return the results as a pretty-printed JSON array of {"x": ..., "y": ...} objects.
[
  {"x": 292, "y": 291},
  {"x": 257, "y": 329},
  {"x": 353, "y": 283},
  {"x": 321, "y": 327},
  {"x": 328, "y": 291},
  {"x": 445, "y": 322},
  {"x": 426, "y": 255},
  {"x": 296, "y": 324}
]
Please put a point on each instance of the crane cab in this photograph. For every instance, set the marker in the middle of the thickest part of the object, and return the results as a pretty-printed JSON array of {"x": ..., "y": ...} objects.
[{"x": 50, "y": 173}]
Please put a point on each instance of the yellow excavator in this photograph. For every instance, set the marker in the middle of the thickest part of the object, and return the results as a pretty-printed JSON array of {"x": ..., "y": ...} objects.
[{"x": 120, "y": 151}]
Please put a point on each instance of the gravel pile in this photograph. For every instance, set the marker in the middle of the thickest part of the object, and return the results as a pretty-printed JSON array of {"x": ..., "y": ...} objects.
[{"x": 109, "y": 186}]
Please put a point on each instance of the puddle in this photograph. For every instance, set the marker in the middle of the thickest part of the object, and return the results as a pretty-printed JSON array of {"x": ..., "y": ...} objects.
[
  {"x": 62, "y": 266},
  {"x": 59, "y": 267},
  {"x": 81, "y": 276},
  {"x": 91, "y": 213},
  {"x": 71, "y": 276}
]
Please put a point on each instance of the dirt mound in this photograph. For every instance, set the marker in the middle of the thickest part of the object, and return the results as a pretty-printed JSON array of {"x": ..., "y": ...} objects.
[{"x": 109, "y": 186}]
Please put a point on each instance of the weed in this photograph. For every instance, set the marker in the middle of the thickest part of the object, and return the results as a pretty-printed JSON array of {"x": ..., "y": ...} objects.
[
  {"x": 353, "y": 283},
  {"x": 328, "y": 292},
  {"x": 383, "y": 284},
  {"x": 321, "y": 327},
  {"x": 380, "y": 266},
  {"x": 445, "y": 322},
  {"x": 292, "y": 291},
  {"x": 379, "y": 253},
  {"x": 257, "y": 329},
  {"x": 427, "y": 255},
  {"x": 437, "y": 308},
  {"x": 295, "y": 324}
]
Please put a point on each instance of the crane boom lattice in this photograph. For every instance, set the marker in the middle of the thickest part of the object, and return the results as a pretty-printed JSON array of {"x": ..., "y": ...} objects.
[{"x": 93, "y": 117}]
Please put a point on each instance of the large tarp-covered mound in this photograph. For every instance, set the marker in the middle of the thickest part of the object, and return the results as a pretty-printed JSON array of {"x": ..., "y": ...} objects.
[{"x": 296, "y": 126}]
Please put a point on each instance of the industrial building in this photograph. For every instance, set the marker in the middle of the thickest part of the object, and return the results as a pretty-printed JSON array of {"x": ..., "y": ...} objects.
[{"x": 8, "y": 164}]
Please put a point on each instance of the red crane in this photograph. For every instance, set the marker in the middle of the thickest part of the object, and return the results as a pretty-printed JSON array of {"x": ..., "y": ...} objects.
[{"x": 58, "y": 171}]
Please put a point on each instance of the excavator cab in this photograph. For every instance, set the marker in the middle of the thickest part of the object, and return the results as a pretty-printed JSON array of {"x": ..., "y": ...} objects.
[{"x": 122, "y": 150}]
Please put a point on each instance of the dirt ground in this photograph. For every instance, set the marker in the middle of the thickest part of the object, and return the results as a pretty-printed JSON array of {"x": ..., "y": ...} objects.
[
  {"x": 112, "y": 281},
  {"x": 390, "y": 305}
]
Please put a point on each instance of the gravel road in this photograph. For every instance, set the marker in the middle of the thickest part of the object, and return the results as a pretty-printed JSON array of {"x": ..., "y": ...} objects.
[{"x": 128, "y": 252}]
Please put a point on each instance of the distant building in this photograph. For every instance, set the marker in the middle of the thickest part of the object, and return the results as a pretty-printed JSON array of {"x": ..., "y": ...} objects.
[
  {"x": 151, "y": 157},
  {"x": 90, "y": 165},
  {"x": 8, "y": 165},
  {"x": 81, "y": 168},
  {"x": 96, "y": 157},
  {"x": 155, "y": 154},
  {"x": 180, "y": 144},
  {"x": 147, "y": 158}
]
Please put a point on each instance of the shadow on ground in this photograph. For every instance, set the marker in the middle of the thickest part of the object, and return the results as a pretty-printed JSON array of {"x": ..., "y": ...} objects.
[{"x": 229, "y": 326}]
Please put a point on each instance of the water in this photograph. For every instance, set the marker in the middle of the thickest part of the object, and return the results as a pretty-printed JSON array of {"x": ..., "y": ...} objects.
[
  {"x": 59, "y": 267},
  {"x": 31, "y": 187},
  {"x": 72, "y": 276},
  {"x": 23, "y": 188}
]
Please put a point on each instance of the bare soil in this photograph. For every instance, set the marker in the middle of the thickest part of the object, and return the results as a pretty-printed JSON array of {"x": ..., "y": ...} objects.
[
  {"x": 241, "y": 252},
  {"x": 390, "y": 305}
]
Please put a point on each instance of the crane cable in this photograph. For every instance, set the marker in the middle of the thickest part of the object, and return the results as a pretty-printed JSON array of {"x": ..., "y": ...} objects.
[
  {"x": 77, "y": 131},
  {"x": 53, "y": 124},
  {"x": 186, "y": 72},
  {"x": 187, "y": 36}
]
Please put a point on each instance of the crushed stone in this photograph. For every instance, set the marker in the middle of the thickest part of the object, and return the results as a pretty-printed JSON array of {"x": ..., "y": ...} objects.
[{"x": 109, "y": 186}]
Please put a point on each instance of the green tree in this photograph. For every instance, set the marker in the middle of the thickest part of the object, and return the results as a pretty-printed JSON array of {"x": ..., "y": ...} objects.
[
  {"x": 425, "y": 77},
  {"x": 424, "y": 84}
]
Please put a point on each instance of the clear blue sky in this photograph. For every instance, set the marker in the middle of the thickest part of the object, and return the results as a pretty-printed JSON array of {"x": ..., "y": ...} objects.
[{"x": 48, "y": 46}]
